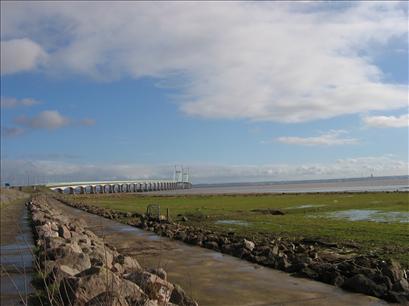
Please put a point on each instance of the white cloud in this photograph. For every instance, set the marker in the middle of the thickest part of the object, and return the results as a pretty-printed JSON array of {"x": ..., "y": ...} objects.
[
  {"x": 7, "y": 102},
  {"x": 285, "y": 62},
  {"x": 387, "y": 121},
  {"x": 330, "y": 138},
  {"x": 16, "y": 171},
  {"x": 49, "y": 119},
  {"x": 20, "y": 55}
]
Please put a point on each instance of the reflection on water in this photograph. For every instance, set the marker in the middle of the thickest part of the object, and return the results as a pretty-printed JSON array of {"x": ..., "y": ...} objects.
[
  {"x": 306, "y": 206},
  {"x": 370, "y": 215},
  {"x": 233, "y": 222},
  {"x": 17, "y": 265}
]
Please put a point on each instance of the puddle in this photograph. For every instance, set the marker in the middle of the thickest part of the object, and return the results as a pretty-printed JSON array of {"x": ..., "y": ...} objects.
[
  {"x": 17, "y": 264},
  {"x": 233, "y": 222},
  {"x": 306, "y": 206},
  {"x": 370, "y": 215}
]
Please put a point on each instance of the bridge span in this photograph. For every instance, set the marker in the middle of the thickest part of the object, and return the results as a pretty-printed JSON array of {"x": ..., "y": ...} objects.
[{"x": 118, "y": 186}]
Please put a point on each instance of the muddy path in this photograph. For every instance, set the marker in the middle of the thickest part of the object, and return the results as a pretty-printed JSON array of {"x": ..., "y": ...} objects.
[
  {"x": 213, "y": 278},
  {"x": 15, "y": 255}
]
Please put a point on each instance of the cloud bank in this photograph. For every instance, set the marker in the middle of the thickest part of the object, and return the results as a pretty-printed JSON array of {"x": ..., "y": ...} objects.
[
  {"x": 387, "y": 121},
  {"x": 7, "y": 102},
  {"x": 16, "y": 171},
  {"x": 269, "y": 61},
  {"x": 19, "y": 55},
  {"x": 49, "y": 119},
  {"x": 330, "y": 138}
]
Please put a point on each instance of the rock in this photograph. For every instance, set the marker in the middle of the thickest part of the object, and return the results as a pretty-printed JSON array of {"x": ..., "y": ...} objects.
[
  {"x": 59, "y": 272},
  {"x": 401, "y": 285},
  {"x": 155, "y": 287},
  {"x": 249, "y": 245},
  {"x": 179, "y": 297},
  {"x": 128, "y": 263},
  {"x": 213, "y": 245},
  {"x": 393, "y": 270},
  {"x": 227, "y": 248},
  {"x": 181, "y": 235},
  {"x": 269, "y": 211},
  {"x": 283, "y": 264},
  {"x": 54, "y": 242},
  {"x": 159, "y": 272},
  {"x": 54, "y": 226},
  {"x": 108, "y": 298},
  {"x": 360, "y": 283},
  {"x": 308, "y": 273},
  {"x": 328, "y": 273},
  {"x": 397, "y": 297},
  {"x": 277, "y": 212},
  {"x": 64, "y": 232},
  {"x": 93, "y": 282},
  {"x": 74, "y": 260},
  {"x": 101, "y": 256},
  {"x": 118, "y": 268}
]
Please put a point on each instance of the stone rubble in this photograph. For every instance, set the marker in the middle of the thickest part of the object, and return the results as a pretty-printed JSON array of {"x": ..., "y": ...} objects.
[{"x": 81, "y": 269}]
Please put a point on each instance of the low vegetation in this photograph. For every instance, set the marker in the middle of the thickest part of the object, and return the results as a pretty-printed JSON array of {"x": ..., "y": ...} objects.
[
  {"x": 11, "y": 196},
  {"x": 304, "y": 216}
]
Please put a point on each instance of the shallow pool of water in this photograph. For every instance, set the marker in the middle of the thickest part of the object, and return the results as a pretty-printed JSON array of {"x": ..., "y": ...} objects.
[
  {"x": 233, "y": 222},
  {"x": 370, "y": 215},
  {"x": 306, "y": 206}
]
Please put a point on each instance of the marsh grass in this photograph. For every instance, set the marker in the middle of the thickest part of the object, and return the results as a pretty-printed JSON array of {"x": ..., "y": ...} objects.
[{"x": 387, "y": 239}]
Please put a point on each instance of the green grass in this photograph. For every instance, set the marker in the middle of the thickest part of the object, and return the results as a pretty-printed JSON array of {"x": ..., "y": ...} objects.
[{"x": 389, "y": 239}]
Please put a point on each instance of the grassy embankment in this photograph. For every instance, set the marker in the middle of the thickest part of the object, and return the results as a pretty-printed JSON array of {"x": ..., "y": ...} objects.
[
  {"x": 12, "y": 196},
  {"x": 388, "y": 239}
]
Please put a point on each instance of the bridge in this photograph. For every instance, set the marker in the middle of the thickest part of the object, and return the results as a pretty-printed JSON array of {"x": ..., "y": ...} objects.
[{"x": 118, "y": 186}]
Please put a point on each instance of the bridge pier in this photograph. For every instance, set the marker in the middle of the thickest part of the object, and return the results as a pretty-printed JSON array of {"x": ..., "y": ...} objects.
[{"x": 119, "y": 187}]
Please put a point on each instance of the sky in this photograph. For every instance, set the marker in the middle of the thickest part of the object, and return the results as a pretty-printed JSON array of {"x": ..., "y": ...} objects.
[{"x": 236, "y": 91}]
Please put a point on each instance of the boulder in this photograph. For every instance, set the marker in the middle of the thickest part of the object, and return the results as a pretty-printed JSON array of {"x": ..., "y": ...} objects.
[
  {"x": 401, "y": 285},
  {"x": 59, "y": 272},
  {"x": 213, "y": 245},
  {"x": 393, "y": 270},
  {"x": 179, "y": 297},
  {"x": 101, "y": 256},
  {"x": 159, "y": 272},
  {"x": 360, "y": 283},
  {"x": 108, "y": 298},
  {"x": 75, "y": 260},
  {"x": 128, "y": 263},
  {"x": 155, "y": 287},
  {"x": 93, "y": 282},
  {"x": 249, "y": 245}
]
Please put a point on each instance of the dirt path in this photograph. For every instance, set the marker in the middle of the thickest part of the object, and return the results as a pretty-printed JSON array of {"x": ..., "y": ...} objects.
[{"x": 213, "y": 278}]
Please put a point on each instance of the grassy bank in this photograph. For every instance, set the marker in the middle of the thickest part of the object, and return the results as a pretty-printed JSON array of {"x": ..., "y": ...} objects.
[
  {"x": 305, "y": 215},
  {"x": 11, "y": 196}
]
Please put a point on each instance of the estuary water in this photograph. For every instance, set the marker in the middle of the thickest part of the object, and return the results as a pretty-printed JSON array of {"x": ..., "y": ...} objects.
[{"x": 341, "y": 185}]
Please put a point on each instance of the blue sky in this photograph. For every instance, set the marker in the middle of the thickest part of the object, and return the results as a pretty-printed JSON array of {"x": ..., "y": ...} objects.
[{"x": 235, "y": 91}]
